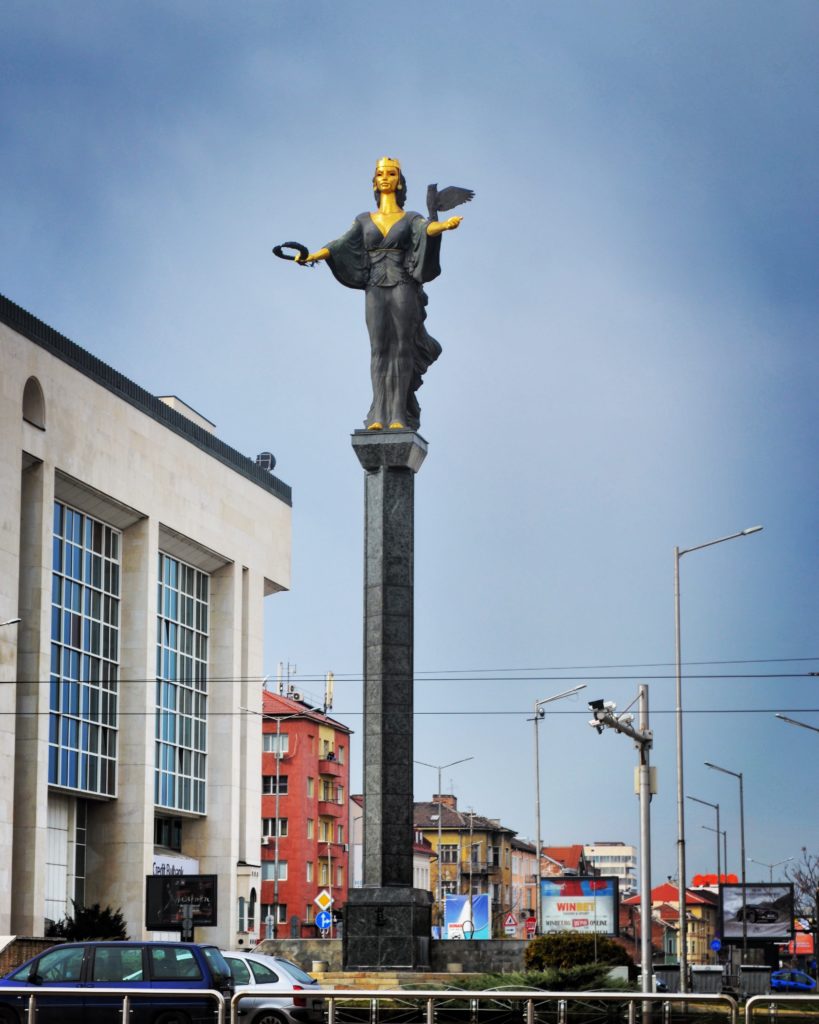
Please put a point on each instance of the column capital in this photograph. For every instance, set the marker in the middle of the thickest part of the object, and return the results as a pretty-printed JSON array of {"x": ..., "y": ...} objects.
[{"x": 389, "y": 449}]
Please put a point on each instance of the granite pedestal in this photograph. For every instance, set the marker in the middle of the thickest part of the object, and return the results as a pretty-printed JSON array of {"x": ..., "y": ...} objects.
[{"x": 388, "y": 922}]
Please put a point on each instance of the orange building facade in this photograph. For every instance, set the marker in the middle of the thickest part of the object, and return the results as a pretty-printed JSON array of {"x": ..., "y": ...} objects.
[{"x": 305, "y": 815}]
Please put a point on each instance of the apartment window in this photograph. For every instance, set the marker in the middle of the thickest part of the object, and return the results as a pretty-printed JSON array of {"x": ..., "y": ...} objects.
[
  {"x": 276, "y": 743},
  {"x": 339, "y": 833},
  {"x": 449, "y": 887},
  {"x": 341, "y": 755},
  {"x": 271, "y": 785},
  {"x": 309, "y": 828},
  {"x": 324, "y": 878},
  {"x": 325, "y": 831},
  {"x": 309, "y": 786},
  {"x": 340, "y": 794},
  {"x": 85, "y": 590},
  {"x": 339, "y": 876},
  {"x": 309, "y": 871},
  {"x": 449, "y": 853},
  {"x": 269, "y": 870},
  {"x": 269, "y": 826},
  {"x": 308, "y": 913},
  {"x": 267, "y": 911},
  {"x": 181, "y": 686}
]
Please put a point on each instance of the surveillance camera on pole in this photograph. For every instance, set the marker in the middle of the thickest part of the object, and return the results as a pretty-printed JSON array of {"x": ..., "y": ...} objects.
[{"x": 605, "y": 717}]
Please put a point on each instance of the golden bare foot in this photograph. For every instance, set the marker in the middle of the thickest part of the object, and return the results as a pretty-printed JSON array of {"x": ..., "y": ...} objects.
[
  {"x": 376, "y": 426},
  {"x": 396, "y": 425}
]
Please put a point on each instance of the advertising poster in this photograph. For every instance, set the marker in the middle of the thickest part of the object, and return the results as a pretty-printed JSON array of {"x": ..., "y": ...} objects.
[
  {"x": 768, "y": 911},
  {"x": 467, "y": 918},
  {"x": 166, "y": 897},
  {"x": 579, "y": 904}
]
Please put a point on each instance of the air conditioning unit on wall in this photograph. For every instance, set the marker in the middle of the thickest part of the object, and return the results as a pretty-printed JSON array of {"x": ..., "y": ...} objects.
[{"x": 265, "y": 840}]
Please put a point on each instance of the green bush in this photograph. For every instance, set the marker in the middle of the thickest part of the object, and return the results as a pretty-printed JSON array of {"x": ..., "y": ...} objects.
[
  {"x": 563, "y": 950},
  {"x": 89, "y": 923}
]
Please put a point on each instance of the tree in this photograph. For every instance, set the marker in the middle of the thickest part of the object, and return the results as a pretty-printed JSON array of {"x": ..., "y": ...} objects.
[
  {"x": 569, "y": 949},
  {"x": 89, "y": 923},
  {"x": 804, "y": 874}
]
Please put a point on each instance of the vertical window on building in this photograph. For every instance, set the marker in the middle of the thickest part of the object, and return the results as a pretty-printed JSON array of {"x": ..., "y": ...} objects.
[
  {"x": 310, "y": 785},
  {"x": 309, "y": 871},
  {"x": 325, "y": 831},
  {"x": 324, "y": 878},
  {"x": 85, "y": 591},
  {"x": 308, "y": 913},
  {"x": 80, "y": 841},
  {"x": 309, "y": 828},
  {"x": 341, "y": 755},
  {"x": 271, "y": 785},
  {"x": 275, "y": 743},
  {"x": 340, "y": 794},
  {"x": 339, "y": 833},
  {"x": 269, "y": 826},
  {"x": 339, "y": 876},
  {"x": 181, "y": 686}
]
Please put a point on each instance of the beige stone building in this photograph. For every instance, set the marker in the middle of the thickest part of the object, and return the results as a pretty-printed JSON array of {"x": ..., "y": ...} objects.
[{"x": 136, "y": 548}]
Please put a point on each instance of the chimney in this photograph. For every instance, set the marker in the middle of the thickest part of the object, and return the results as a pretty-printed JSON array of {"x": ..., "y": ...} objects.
[{"x": 446, "y": 800}]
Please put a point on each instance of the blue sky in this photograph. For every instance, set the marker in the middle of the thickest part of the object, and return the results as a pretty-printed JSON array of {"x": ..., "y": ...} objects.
[{"x": 628, "y": 315}]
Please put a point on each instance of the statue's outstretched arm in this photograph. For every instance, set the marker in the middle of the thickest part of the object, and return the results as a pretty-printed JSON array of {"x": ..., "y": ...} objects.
[
  {"x": 314, "y": 257},
  {"x": 437, "y": 227}
]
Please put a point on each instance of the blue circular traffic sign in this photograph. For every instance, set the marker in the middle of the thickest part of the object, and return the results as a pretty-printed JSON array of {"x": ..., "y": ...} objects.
[
  {"x": 716, "y": 945},
  {"x": 324, "y": 920}
]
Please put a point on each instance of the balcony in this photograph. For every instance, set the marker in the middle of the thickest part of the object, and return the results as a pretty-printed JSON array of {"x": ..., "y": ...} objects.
[
  {"x": 330, "y": 809},
  {"x": 329, "y": 766}
]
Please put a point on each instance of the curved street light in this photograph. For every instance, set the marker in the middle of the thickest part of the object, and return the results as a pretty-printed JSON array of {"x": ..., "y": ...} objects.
[
  {"x": 738, "y": 775},
  {"x": 539, "y": 713},
  {"x": 439, "y": 887},
  {"x": 683, "y": 932},
  {"x": 770, "y": 867}
]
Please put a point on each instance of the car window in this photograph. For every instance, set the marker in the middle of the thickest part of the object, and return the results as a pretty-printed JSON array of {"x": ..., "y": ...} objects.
[
  {"x": 174, "y": 963},
  {"x": 59, "y": 966},
  {"x": 296, "y": 972},
  {"x": 117, "y": 964},
  {"x": 238, "y": 970},
  {"x": 217, "y": 963},
  {"x": 262, "y": 973}
]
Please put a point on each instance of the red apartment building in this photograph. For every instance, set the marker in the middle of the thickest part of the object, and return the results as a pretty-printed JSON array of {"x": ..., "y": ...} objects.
[{"x": 305, "y": 814}]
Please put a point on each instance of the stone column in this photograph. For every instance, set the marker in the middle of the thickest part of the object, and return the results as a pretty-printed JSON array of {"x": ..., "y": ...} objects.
[{"x": 387, "y": 922}]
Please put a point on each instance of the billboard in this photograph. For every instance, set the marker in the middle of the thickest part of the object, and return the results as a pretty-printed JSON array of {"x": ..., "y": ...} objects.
[
  {"x": 467, "y": 917},
  {"x": 168, "y": 896},
  {"x": 571, "y": 903},
  {"x": 768, "y": 912}
]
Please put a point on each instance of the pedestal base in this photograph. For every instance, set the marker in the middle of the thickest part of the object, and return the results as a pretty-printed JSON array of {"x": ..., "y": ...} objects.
[{"x": 387, "y": 929}]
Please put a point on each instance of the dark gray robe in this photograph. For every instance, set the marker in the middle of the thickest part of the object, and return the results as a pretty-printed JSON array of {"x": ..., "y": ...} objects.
[{"x": 391, "y": 270}]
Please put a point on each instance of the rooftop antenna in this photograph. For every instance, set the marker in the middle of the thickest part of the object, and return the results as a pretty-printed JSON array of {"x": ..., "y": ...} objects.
[{"x": 329, "y": 682}]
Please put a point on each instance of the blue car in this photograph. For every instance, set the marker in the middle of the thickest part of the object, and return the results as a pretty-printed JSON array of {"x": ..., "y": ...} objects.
[
  {"x": 792, "y": 981},
  {"x": 85, "y": 966}
]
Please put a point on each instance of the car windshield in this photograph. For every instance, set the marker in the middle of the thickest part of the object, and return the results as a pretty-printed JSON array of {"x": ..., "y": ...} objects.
[{"x": 218, "y": 964}]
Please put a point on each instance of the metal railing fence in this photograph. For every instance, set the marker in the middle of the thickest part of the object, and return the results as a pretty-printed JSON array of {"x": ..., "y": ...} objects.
[
  {"x": 125, "y": 993},
  {"x": 772, "y": 1000}
]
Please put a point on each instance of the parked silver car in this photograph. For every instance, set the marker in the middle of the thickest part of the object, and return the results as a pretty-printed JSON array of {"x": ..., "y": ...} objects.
[{"x": 264, "y": 976}]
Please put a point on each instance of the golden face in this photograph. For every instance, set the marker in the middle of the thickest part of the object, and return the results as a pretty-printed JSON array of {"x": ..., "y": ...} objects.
[{"x": 387, "y": 175}]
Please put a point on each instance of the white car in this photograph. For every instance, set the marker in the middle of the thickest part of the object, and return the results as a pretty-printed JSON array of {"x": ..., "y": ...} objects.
[{"x": 264, "y": 976}]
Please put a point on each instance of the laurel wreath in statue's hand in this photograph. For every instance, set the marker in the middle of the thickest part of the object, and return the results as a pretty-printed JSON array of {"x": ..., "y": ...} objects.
[{"x": 302, "y": 251}]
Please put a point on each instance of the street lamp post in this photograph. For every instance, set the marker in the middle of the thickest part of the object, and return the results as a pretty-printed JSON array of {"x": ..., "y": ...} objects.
[
  {"x": 439, "y": 768},
  {"x": 538, "y": 714},
  {"x": 681, "y": 876},
  {"x": 794, "y": 721},
  {"x": 717, "y": 830},
  {"x": 738, "y": 775},
  {"x": 765, "y": 864},
  {"x": 724, "y": 834}
]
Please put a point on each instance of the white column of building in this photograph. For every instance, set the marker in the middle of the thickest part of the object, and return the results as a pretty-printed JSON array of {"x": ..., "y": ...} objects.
[{"x": 33, "y": 666}]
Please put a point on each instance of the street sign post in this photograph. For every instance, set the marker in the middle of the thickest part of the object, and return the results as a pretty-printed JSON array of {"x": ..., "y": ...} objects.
[{"x": 510, "y": 924}]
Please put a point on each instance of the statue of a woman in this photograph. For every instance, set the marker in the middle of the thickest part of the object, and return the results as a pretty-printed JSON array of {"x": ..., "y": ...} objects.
[{"x": 390, "y": 254}]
